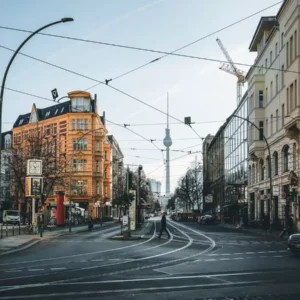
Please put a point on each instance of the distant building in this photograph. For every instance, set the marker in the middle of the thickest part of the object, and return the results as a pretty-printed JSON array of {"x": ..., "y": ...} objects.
[
  {"x": 6, "y": 180},
  {"x": 118, "y": 174},
  {"x": 155, "y": 188}
]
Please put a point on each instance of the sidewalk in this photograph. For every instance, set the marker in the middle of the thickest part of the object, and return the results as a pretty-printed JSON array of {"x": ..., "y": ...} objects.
[
  {"x": 20, "y": 242},
  {"x": 274, "y": 233},
  {"x": 137, "y": 234}
]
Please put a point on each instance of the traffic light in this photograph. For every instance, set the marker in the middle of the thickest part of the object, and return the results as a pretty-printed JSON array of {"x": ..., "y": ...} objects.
[{"x": 131, "y": 196}]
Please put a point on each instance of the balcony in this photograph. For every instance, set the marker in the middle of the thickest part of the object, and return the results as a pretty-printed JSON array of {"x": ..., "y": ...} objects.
[
  {"x": 256, "y": 146},
  {"x": 292, "y": 127}
]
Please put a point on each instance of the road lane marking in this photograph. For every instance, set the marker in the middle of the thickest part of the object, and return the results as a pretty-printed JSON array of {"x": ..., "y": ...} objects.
[
  {"x": 278, "y": 256},
  {"x": 12, "y": 271},
  {"x": 57, "y": 269},
  {"x": 210, "y": 259},
  {"x": 224, "y": 258},
  {"x": 100, "y": 259},
  {"x": 262, "y": 252},
  {"x": 249, "y": 252},
  {"x": 238, "y": 253},
  {"x": 35, "y": 270},
  {"x": 84, "y": 254},
  {"x": 226, "y": 254},
  {"x": 238, "y": 258},
  {"x": 213, "y": 254}
]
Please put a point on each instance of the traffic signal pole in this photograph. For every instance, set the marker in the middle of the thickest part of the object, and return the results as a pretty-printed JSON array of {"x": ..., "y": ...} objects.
[{"x": 127, "y": 192}]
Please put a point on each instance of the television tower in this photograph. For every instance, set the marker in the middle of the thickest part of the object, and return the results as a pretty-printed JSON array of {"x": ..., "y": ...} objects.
[{"x": 168, "y": 144}]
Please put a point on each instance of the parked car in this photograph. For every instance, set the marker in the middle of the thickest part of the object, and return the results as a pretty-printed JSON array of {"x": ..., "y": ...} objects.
[
  {"x": 11, "y": 217},
  {"x": 294, "y": 242}
]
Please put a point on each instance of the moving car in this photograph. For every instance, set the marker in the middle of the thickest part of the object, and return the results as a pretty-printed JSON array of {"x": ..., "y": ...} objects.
[
  {"x": 294, "y": 242},
  {"x": 11, "y": 217},
  {"x": 206, "y": 219}
]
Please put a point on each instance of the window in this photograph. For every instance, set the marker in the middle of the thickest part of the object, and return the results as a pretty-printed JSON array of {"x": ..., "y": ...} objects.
[
  {"x": 276, "y": 84},
  {"x": 97, "y": 165},
  {"x": 79, "y": 164},
  {"x": 52, "y": 148},
  {"x": 56, "y": 112},
  {"x": 21, "y": 122},
  {"x": 271, "y": 89},
  {"x": 286, "y": 153},
  {"x": 276, "y": 50},
  {"x": 79, "y": 187},
  {"x": 268, "y": 166},
  {"x": 7, "y": 141},
  {"x": 266, "y": 63},
  {"x": 261, "y": 130},
  {"x": 295, "y": 94},
  {"x": 271, "y": 57},
  {"x": 262, "y": 170},
  {"x": 97, "y": 188},
  {"x": 277, "y": 120},
  {"x": 275, "y": 158},
  {"x": 271, "y": 125},
  {"x": 79, "y": 124},
  {"x": 47, "y": 114},
  {"x": 267, "y": 95},
  {"x": 261, "y": 99},
  {"x": 81, "y": 105},
  {"x": 291, "y": 49},
  {"x": 80, "y": 144},
  {"x": 73, "y": 124},
  {"x": 266, "y": 131},
  {"x": 292, "y": 97},
  {"x": 282, "y": 39},
  {"x": 97, "y": 146},
  {"x": 294, "y": 157},
  {"x": 295, "y": 50},
  {"x": 86, "y": 122},
  {"x": 287, "y": 54},
  {"x": 62, "y": 110},
  {"x": 288, "y": 100},
  {"x": 53, "y": 129},
  {"x": 282, "y": 115},
  {"x": 105, "y": 155},
  {"x": 282, "y": 76}
]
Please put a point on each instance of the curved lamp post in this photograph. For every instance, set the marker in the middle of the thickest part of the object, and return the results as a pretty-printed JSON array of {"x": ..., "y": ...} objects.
[
  {"x": 270, "y": 165},
  {"x": 63, "y": 20}
]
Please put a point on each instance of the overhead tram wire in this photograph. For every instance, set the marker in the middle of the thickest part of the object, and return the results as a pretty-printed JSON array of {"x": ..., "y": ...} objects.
[
  {"x": 142, "y": 49},
  {"x": 149, "y": 140}
]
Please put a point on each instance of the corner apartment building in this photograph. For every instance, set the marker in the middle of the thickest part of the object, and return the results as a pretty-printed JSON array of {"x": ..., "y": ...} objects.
[
  {"x": 71, "y": 138},
  {"x": 274, "y": 107}
]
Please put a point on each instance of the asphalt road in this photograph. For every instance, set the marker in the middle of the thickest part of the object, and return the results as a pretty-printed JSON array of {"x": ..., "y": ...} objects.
[{"x": 197, "y": 262}]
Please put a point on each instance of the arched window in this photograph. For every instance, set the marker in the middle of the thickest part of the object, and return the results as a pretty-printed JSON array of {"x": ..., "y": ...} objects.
[
  {"x": 285, "y": 158},
  {"x": 275, "y": 159},
  {"x": 250, "y": 175},
  {"x": 261, "y": 170},
  {"x": 268, "y": 166},
  {"x": 7, "y": 141},
  {"x": 294, "y": 157}
]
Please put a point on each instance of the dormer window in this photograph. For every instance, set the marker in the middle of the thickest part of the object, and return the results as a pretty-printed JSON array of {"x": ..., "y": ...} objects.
[
  {"x": 21, "y": 122},
  {"x": 81, "y": 104},
  {"x": 47, "y": 114},
  {"x": 56, "y": 112},
  {"x": 62, "y": 110}
]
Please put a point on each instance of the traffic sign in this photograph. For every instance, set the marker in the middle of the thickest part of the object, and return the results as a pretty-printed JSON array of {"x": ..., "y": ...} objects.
[{"x": 54, "y": 94}]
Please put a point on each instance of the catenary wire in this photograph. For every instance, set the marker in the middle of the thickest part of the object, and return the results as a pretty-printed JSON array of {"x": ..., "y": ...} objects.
[{"x": 143, "y": 49}]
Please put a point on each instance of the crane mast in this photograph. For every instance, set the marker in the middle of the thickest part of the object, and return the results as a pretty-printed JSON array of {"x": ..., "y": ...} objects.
[{"x": 230, "y": 68}]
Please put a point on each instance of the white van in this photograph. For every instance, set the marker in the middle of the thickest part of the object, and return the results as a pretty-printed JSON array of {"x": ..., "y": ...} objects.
[{"x": 11, "y": 217}]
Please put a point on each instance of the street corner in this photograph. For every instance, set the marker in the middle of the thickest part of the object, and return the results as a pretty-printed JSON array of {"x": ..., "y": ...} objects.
[{"x": 15, "y": 246}]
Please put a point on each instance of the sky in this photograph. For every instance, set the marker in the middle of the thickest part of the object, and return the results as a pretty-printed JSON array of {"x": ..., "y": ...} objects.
[{"x": 196, "y": 88}]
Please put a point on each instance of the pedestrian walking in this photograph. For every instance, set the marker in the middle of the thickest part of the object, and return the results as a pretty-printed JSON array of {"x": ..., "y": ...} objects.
[
  {"x": 289, "y": 228},
  {"x": 164, "y": 225}
]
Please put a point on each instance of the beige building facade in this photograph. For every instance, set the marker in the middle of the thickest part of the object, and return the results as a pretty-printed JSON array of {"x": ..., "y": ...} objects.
[{"x": 274, "y": 107}]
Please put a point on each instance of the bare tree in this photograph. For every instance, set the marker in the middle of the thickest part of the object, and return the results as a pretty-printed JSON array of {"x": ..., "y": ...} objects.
[{"x": 38, "y": 145}]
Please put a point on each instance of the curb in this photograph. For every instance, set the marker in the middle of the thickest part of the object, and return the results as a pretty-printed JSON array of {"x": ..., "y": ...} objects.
[
  {"x": 132, "y": 238},
  {"x": 21, "y": 247}
]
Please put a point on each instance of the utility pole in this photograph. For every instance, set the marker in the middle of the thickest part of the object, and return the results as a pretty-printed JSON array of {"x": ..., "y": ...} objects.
[
  {"x": 127, "y": 193},
  {"x": 138, "y": 194}
]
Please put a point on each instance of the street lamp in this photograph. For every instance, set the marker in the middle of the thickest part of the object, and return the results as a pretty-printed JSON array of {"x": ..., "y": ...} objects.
[{"x": 63, "y": 20}]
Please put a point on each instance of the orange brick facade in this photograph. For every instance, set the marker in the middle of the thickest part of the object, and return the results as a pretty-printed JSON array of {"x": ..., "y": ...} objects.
[{"x": 77, "y": 137}]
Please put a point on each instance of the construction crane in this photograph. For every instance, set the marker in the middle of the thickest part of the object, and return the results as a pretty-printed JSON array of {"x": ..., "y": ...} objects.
[{"x": 232, "y": 69}]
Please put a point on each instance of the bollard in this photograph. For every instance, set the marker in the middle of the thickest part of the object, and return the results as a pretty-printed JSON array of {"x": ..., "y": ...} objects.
[
  {"x": 1, "y": 231},
  {"x": 13, "y": 231},
  {"x": 6, "y": 230},
  {"x": 41, "y": 231},
  {"x": 19, "y": 229}
]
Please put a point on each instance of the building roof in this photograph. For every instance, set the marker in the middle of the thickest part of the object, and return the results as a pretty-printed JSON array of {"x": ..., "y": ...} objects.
[
  {"x": 51, "y": 112},
  {"x": 265, "y": 24}
]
